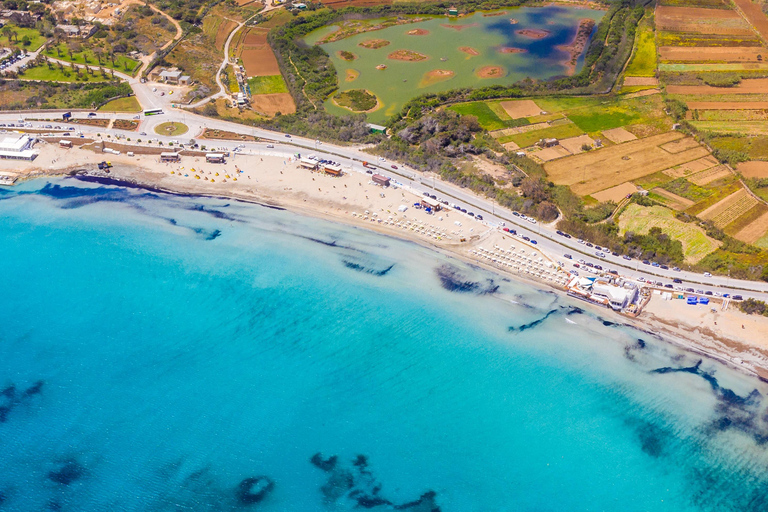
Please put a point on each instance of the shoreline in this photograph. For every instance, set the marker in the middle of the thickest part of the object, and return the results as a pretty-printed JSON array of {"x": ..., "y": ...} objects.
[{"x": 747, "y": 355}]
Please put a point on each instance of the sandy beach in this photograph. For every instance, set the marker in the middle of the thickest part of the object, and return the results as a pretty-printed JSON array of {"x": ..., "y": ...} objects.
[{"x": 727, "y": 335}]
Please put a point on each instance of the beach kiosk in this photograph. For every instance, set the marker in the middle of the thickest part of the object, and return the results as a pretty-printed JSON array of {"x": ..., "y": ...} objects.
[
  {"x": 380, "y": 180},
  {"x": 428, "y": 202},
  {"x": 169, "y": 157},
  {"x": 333, "y": 170},
  {"x": 215, "y": 158},
  {"x": 65, "y": 143},
  {"x": 308, "y": 163}
]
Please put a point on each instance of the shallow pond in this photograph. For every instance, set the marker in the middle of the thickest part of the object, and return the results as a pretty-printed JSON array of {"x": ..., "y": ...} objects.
[{"x": 485, "y": 48}]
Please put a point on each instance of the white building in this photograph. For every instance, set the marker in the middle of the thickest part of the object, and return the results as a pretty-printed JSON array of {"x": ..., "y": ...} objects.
[
  {"x": 618, "y": 297},
  {"x": 17, "y": 147}
]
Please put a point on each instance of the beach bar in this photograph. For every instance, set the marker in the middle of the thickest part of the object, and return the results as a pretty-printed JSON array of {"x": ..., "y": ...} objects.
[
  {"x": 380, "y": 180},
  {"x": 334, "y": 170},
  {"x": 215, "y": 158},
  {"x": 308, "y": 163},
  {"x": 169, "y": 157},
  {"x": 17, "y": 147},
  {"x": 428, "y": 202}
]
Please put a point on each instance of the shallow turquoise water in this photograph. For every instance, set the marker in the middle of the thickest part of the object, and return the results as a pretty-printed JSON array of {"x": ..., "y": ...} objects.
[{"x": 184, "y": 345}]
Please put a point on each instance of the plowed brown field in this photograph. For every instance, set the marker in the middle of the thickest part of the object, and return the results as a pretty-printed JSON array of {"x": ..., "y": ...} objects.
[
  {"x": 721, "y": 54},
  {"x": 728, "y": 105},
  {"x": 749, "y": 86},
  {"x": 755, "y": 16},
  {"x": 702, "y": 21}
]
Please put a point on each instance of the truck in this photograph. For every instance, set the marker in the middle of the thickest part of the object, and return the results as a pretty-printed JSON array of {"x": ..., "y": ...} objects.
[{"x": 66, "y": 115}]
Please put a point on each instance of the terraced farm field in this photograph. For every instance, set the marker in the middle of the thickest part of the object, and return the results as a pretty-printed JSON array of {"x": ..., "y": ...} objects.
[
  {"x": 603, "y": 168},
  {"x": 639, "y": 219},
  {"x": 729, "y": 209},
  {"x": 702, "y": 21}
]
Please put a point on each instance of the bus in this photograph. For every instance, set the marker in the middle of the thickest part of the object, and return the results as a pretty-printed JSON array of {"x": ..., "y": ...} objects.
[{"x": 153, "y": 112}]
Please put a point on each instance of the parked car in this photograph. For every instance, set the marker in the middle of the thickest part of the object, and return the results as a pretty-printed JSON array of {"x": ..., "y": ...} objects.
[
  {"x": 676, "y": 269},
  {"x": 667, "y": 286},
  {"x": 534, "y": 242},
  {"x": 707, "y": 274},
  {"x": 737, "y": 297},
  {"x": 589, "y": 245},
  {"x": 394, "y": 167},
  {"x": 677, "y": 280},
  {"x": 626, "y": 257},
  {"x": 568, "y": 256}
]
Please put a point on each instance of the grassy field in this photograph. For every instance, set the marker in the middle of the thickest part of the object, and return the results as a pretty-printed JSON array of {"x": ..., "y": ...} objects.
[
  {"x": 639, "y": 219},
  {"x": 643, "y": 61},
  {"x": 356, "y": 100},
  {"x": 740, "y": 127},
  {"x": 686, "y": 189},
  {"x": 36, "y": 39},
  {"x": 129, "y": 104},
  {"x": 171, "y": 129},
  {"x": 88, "y": 56},
  {"x": 526, "y": 139},
  {"x": 55, "y": 74},
  {"x": 267, "y": 84},
  {"x": 488, "y": 114},
  {"x": 719, "y": 193},
  {"x": 16, "y": 95},
  {"x": 756, "y": 147}
]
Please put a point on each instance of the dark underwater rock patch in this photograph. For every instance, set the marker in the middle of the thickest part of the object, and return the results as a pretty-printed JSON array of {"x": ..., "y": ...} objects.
[
  {"x": 357, "y": 484},
  {"x": 214, "y": 213},
  {"x": 531, "y": 325},
  {"x": 10, "y": 398},
  {"x": 362, "y": 268},
  {"x": 452, "y": 280},
  {"x": 69, "y": 472},
  {"x": 254, "y": 489}
]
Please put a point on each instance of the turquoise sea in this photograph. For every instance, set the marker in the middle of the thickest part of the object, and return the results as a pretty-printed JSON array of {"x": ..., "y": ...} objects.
[{"x": 161, "y": 352}]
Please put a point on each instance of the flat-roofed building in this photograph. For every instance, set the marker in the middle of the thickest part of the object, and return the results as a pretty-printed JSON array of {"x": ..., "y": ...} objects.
[
  {"x": 428, "y": 202},
  {"x": 169, "y": 157},
  {"x": 380, "y": 180},
  {"x": 308, "y": 163},
  {"x": 215, "y": 158},
  {"x": 17, "y": 147},
  {"x": 334, "y": 170}
]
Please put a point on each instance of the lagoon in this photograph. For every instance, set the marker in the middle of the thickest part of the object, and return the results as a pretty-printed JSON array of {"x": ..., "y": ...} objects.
[
  {"x": 460, "y": 48},
  {"x": 163, "y": 352}
]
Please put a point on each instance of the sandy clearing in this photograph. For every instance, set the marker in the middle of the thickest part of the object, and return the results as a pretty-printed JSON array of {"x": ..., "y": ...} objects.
[
  {"x": 754, "y": 230},
  {"x": 676, "y": 202},
  {"x": 573, "y": 144},
  {"x": 553, "y": 153},
  {"x": 521, "y": 108},
  {"x": 271, "y": 104},
  {"x": 754, "y": 169},
  {"x": 618, "y": 135},
  {"x": 616, "y": 193},
  {"x": 631, "y": 81},
  {"x": 748, "y": 86},
  {"x": 721, "y": 54}
]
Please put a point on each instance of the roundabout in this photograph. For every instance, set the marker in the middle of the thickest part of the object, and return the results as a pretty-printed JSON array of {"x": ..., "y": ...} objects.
[{"x": 171, "y": 129}]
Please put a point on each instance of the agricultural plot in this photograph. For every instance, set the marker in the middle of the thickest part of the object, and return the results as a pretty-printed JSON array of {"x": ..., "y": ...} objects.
[
  {"x": 643, "y": 63},
  {"x": 526, "y": 139},
  {"x": 217, "y": 29},
  {"x": 700, "y": 20},
  {"x": 754, "y": 169},
  {"x": 256, "y": 55},
  {"x": 749, "y": 86},
  {"x": 618, "y": 135},
  {"x": 680, "y": 39},
  {"x": 689, "y": 168},
  {"x": 754, "y": 15},
  {"x": 729, "y": 66},
  {"x": 590, "y": 172},
  {"x": 722, "y": 54},
  {"x": 755, "y": 147},
  {"x": 549, "y": 154},
  {"x": 729, "y": 209},
  {"x": 616, "y": 193},
  {"x": 521, "y": 108},
  {"x": 709, "y": 175},
  {"x": 677, "y": 146},
  {"x": 639, "y": 219},
  {"x": 728, "y": 105},
  {"x": 671, "y": 200},
  {"x": 574, "y": 145},
  {"x": 736, "y": 127},
  {"x": 489, "y": 117},
  {"x": 639, "y": 81},
  {"x": 755, "y": 225}
]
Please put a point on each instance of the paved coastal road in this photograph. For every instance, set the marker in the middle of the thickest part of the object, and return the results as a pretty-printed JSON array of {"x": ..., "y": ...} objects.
[{"x": 352, "y": 158}]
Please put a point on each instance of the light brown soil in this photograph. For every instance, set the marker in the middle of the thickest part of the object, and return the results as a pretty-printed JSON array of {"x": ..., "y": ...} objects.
[
  {"x": 754, "y": 169},
  {"x": 255, "y": 36},
  {"x": 407, "y": 56},
  {"x": 549, "y": 154},
  {"x": 509, "y": 49},
  {"x": 727, "y": 105},
  {"x": 689, "y": 168},
  {"x": 221, "y": 36},
  {"x": 573, "y": 144},
  {"x": 755, "y": 16},
  {"x": 616, "y": 193},
  {"x": 700, "y": 20},
  {"x": 418, "y": 32},
  {"x": 373, "y": 44},
  {"x": 675, "y": 201},
  {"x": 618, "y": 135},
  {"x": 720, "y": 54},
  {"x": 630, "y": 81},
  {"x": 754, "y": 230},
  {"x": 125, "y": 124},
  {"x": 521, "y": 108},
  {"x": 680, "y": 145},
  {"x": 707, "y": 176},
  {"x": 596, "y": 170},
  {"x": 271, "y": 104},
  {"x": 435, "y": 76},
  {"x": 533, "y": 33},
  {"x": 490, "y": 72},
  {"x": 459, "y": 28},
  {"x": 225, "y": 135},
  {"x": 259, "y": 62},
  {"x": 748, "y": 86},
  {"x": 469, "y": 50}
]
